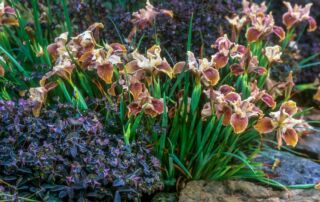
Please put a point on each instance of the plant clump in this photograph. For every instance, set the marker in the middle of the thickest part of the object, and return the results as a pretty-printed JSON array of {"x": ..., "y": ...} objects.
[
  {"x": 203, "y": 104},
  {"x": 203, "y": 111},
  {"x": 65, "y": 154}
]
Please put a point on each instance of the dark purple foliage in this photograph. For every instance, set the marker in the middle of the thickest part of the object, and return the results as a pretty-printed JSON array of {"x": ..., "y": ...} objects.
[
  {"x": 71, "y": 155},
  {"x": 209, "y": 23}
]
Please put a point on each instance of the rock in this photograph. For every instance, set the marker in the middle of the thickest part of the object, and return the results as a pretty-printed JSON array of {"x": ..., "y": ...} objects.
[
  {"x": 310, "y": 145},
  {"x": 251, "y": 189},
  {"x": 165, "y": 197},
  {"x": 292, "y": 169},
  {"x": 242, "y": 191}
]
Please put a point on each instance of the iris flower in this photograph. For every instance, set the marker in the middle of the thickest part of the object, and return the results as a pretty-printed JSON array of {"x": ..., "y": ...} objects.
[
  {"x": 252, "y": 10},
  {"x": 263, "y": 25},
  {"x": 283, "y": 122},
  {"x": 243, "y": 110},
  {"x": 248, "y": 64},
  {"x": 273, "y": 53},
  {"x": 223, "y": 45},
  {"x": 145, "y": 17},
  {"x": 82, "y": 49},
  {"x": 237, "y": 22},
  {"x": 148, "y": 65},
  {"x": 38, "y": 97},
  {"x": 218, "y": 104},
  {"x": 203, "y": 69},
  {"x": 317, "y": 95},
  {"x": 150, "y": 106},
  {"x": 236, "y": 112},
  {"x": 8, "y": 15},
  {"x": 297, "y": 14}
]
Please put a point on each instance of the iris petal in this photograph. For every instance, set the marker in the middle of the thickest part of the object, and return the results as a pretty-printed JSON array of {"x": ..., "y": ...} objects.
[
  {"x": 290, "y": 137},
  {"x": 105, "y": 72},
  {"x": 264, "y": 125}
]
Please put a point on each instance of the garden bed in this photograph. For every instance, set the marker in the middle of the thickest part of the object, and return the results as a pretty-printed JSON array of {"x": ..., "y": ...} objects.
[{"x": 121, "y": 101}]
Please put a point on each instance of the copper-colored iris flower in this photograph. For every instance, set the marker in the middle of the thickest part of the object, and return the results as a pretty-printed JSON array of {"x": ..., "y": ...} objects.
[
  {"x": 38, "y": 97},
  {"x": 223, "y": 43},
  {"x": 273, "y": 53},
  {"x": 105, "y": 72},
  {"x": 227, "y": 49},
  {"x": 8, "y": 15},
  {"x": 298, "y": 14},
  {"x": 63, "y": 63},
  {"x": 152, "y": 64},
  {"x": 96, "y": 57},
  {"x": 137, "y": 89},
  {"x": 243, "y": 110},
  {"x": 117, "y": 48},
  {"x": 248, "y": 64},
  {"x": 58, "y": 47},
  {"x": 221, "y": 58},
  {"x": 210, "y": 77},
  {"x": 82, "y": 50},
  {"x": 203, "y": 69},
  {"x": 237, "y": 22},
  {"x": 81, "y": 44},
  {"x": 149, "y": 105},
  {"x": 262, "y": 95},
  {"x": 253, "y": 9},
  {"x": 317, "y": 95},
  {"x": 145, "y": 17},
  {"x": 63, "y": 70},
  {"x": 238, "y": 51},
  {"x": 236, "y": 112},
  {"x": 283, "y": 123},
  {"x": 103, "y": 61},
  {"x": 218, "y": 104},
  {"x": 263, "y": 25}
]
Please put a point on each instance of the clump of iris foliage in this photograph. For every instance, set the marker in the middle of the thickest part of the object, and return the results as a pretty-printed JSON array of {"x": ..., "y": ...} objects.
[
  {"x": 205, "y": 117},
  {"x": 67, "y": 154}
]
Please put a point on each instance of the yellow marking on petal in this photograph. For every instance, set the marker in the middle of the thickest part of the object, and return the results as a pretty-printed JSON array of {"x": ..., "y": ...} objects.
[{"x": 290, "y": 137}]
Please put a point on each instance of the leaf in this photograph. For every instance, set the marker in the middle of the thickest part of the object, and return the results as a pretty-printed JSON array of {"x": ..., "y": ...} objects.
[
  {"x": 117, "y": 197},
  {"x": 74, "y": 151},
  {"x": 190, "y": 34},
  {"x": 127, "y": 134},
  {"x": 79, "y": 99},
  {"x": 195, "y": 98},
  {"x": 85, "y": 84},
  {"x": 310, "y": 65},
  {"x": 305, "y": 60},
  {"x": 118, "y": 182},
  {"x": 64, "y": 90},
  {"x": 175, "y": 159},
  {"x": 63, "y": 194},
  {"x": 67, "y": 17},
  {"x": 15, "y": 62},
  {"x": 241, "y": 159},
  {"x": 164, "y": 125},
  {"x": 136, "y": 124}
]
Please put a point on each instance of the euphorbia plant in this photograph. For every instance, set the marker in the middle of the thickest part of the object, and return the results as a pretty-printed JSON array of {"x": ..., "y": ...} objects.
[{"x": 211, "y": 111}]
